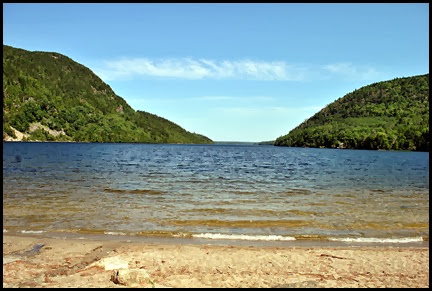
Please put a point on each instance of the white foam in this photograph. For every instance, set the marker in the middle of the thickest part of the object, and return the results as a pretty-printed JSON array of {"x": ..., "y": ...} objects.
[
  {"x": 32, "y": 231},
  {"x": 243, "y": 236},
  {"x": 379, "y": 240},
  {"x": 181, "y": 235},
  {"x": 114, "y": 233},
  {"x": 4, "y": 230}
]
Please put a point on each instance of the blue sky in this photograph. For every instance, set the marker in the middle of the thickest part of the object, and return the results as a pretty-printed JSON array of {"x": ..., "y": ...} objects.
[{"x": 233, "y": 72}]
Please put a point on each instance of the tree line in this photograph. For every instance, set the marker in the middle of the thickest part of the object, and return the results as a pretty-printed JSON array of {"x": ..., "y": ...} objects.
[
  {"x": 55, "y": 91},
  {"x": 389, "y": 115}
]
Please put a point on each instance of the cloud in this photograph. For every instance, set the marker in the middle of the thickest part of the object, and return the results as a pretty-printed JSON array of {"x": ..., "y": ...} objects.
[
  {"x": 215, "y": 98},
  {"x": 233, "y": 98},
  {"x": 196, "y": 69},
  {"x": 348, "y": 70},
  {"x": 200, "y": 69},
  {"x": 269, "y": 110}
]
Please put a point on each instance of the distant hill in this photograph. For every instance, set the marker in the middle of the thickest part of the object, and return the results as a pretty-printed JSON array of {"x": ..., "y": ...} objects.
[
  {"x": 390, "y": 115},
  {"x": 270, "y": 142},
  {"x": 235, "y": 143},
  {"x": 49, "y": 97}
]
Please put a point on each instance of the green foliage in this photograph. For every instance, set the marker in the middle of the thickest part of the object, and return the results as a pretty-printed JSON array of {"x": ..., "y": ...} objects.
[
  {"x": 390, "y": 115},
  {"x": 7, "y": 130},
  {"x": 61, "y": 94},
  {"x": 41, "y": 135},
  {"x": 19, "y": 121}
]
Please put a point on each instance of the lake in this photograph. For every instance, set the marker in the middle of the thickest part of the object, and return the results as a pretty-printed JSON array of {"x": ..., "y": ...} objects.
[{"x": 211, "y": 192}]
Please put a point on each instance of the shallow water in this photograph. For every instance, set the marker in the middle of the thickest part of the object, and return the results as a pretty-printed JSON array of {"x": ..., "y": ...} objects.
[{"x": 216, "y": 191}]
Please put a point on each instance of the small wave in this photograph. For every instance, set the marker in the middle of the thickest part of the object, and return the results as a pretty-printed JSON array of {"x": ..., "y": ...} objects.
[
  {"x": 240, "y": 223},
  {"x": 146, "y": 191},
  {"x": 4, "y": 230},
  {"x": 209, "y": 210},
  {"x": 378, "y": 240},
  {"x": 162, "y": 233},
  {"x": 290, "y": 192},
  {"x": 114, "y": 233},
  {"x": 181, "y": 234},
  {"x": 134, "y": 191},
  {"x": 377, "y": 190},
  {"x": 243, "y": 237},
  {"x": 32, "y": 231},
  {"x": 244, "y": 192}
]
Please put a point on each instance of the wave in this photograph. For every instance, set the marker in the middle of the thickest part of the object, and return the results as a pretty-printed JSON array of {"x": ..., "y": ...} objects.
[
  {"x": 134, "y": 191},
  {"x": 32, "y": 231},
  {"x": 240, "y": 223},
  {"x": 290, "y": 192},
  {"x": 292, "y": 238},
  {"x": 243, "y": 237},
  {"x": 114, "y": 233},
  {"x": 378, "y": 240}
]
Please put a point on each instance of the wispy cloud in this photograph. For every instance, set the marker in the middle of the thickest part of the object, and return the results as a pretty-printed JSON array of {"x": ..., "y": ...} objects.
[
  {"x": 266, "y": 110},
  {"x": 233, "y": 98},
  {"x": 199, "y": 69},
  {"x": 348, "y": 70},
  {"x": 214, "y": 98},
  {"x": 207, "y": 99},
  {"x": 194, "y": 69}
]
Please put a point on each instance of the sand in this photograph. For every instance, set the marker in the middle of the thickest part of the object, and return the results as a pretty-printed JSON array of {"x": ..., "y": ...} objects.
[{"x": 87, "y": 263}]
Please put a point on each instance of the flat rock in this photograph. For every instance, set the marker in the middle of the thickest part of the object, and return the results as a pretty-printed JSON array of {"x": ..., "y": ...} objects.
[
  {"x": 131, "y": 277},
  {"x": 112, "y": 263},
  {"x": 9, "y": 259}
]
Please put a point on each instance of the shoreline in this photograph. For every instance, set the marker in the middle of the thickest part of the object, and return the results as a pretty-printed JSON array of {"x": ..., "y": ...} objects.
[
  {"x": 72, "y": 262},
  {"x": 234, "y": 242},
  {"x": 214, "y": 143}
]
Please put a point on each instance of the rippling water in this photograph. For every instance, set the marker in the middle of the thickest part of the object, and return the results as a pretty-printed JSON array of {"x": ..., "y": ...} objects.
[{"x": 216, "y": 191}]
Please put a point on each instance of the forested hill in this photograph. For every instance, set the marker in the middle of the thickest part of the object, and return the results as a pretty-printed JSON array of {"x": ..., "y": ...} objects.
[
  {"x": 390, "y": 115},
  {"x": 49, "y": 97}
]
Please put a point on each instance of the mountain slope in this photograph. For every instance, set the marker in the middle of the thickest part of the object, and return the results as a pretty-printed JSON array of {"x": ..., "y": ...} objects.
[
  {"x": 48, "y": 96},
  {"x": 385, "y": 115}
]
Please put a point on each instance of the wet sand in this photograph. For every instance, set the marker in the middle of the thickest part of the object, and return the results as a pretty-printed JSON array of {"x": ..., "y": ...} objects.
[{"x": 91, "y": 263}]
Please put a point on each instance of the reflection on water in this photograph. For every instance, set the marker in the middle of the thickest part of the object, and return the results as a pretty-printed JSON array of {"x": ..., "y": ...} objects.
[{"x": 214, "y": 189}]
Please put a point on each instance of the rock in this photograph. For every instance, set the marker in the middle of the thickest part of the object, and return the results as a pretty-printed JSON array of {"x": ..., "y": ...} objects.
[
  {"x": 119, "y": 109},
  {"x": 112, "y": 263},
  {"x": 10, "y": 259},
  {"x": 131, "y": 277}
]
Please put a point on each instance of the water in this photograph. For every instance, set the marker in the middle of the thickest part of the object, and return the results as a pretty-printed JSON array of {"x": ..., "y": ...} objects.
[{"x": 212, "y": 192}]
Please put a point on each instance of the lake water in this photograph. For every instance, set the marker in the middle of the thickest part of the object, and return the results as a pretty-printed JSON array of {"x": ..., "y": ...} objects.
[{"x": 210, "y": 192}]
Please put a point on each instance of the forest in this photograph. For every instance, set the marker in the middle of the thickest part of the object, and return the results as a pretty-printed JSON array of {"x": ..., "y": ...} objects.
[
  {"x": 389, "y": 115},
  {"x": 49, "y": 97},
  {"x": 62, "y": 96}
]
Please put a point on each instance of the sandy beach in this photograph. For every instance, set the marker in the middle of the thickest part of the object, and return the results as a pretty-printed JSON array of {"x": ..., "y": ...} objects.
[{"x": 111, "y": 264}]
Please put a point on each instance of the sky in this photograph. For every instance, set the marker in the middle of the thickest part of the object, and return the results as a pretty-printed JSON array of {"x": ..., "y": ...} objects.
[{"x": 232, "y": 72}]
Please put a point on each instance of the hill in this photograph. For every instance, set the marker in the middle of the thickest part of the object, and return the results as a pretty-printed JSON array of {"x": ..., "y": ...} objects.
[
  {"x": 49, "y": 97},
  {"x": 390, "y": 115}
]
